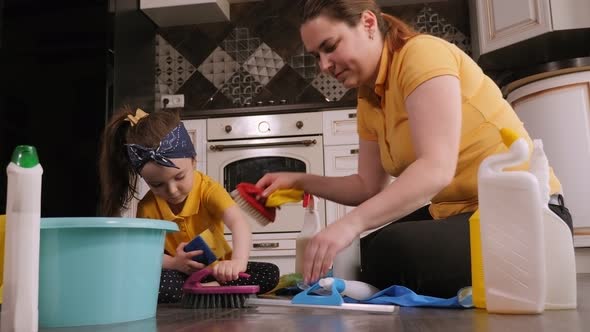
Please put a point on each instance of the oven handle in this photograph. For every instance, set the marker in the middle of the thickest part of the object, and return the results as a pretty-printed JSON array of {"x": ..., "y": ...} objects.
[{"x": 221, "y": 147}]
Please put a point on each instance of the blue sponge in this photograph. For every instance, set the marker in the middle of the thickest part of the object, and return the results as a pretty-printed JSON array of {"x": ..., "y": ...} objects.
[{"x": 198, "y": 243}]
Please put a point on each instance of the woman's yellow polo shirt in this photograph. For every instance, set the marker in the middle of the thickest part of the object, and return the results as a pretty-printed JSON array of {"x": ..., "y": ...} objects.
[
  {"x": 201, "y": 215},
  {"x": 382, "y": 116}
]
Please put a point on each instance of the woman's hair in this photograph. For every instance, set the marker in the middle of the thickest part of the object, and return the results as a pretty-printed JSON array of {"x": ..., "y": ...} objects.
[
  {"x": 393, "y": 30},
  {"x": 118, "y": 180}
]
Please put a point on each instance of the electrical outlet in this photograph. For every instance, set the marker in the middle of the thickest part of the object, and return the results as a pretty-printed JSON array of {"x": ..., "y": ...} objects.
[{"x": 172, "y": 101}]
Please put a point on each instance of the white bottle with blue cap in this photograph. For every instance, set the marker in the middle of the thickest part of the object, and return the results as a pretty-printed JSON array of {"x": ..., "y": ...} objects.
[{"x": 21, "y": 250}]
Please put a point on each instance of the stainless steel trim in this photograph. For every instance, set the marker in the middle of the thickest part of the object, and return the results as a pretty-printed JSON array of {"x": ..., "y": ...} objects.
[{"x": 221, "y": 147}]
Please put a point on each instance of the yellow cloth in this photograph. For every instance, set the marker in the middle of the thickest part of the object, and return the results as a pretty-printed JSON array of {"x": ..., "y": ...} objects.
[
  {"x": 382, "y": 116},
  {"x": 282, "y": 196},
  {"x": 201, "y": 215},
  {"x": 2, "y": 235}
]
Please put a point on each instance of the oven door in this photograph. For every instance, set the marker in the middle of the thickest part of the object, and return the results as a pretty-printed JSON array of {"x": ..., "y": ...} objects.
[{"x": 232, "y": 162}]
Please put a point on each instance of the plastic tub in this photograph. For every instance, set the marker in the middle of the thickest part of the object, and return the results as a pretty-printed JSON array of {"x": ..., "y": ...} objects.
[{"x": 99, "y": 270}]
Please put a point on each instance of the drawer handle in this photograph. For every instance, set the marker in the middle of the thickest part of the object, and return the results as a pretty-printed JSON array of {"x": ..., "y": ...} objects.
[
  {"x": 352, "y": 115},
  {"x": 266, "y": 245},
  {"x": 354, "y": 151}
]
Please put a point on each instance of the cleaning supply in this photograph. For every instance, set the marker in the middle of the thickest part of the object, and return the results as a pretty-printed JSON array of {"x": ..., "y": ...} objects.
[
  {"x": 23, "y": 231},
  {"x": 249, "y": 199},
  {"x": 560, "y": 262},
  {"x": 477, "y": 276},
  {"x": 524, "y": 245},
  {"x": 357, "y": 290},
  {"x": 198, "y": 296},
  {"x": 311, "y": 226},
  {"x": 316, "y": 297},
  {"x": 207, "y": 257},
  {"x": 2, "y": 237},
  {"x": 263, "y": 210}
]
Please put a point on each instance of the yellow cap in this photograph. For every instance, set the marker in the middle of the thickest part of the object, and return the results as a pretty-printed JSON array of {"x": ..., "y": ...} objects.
[{"x": 508, "y": 136}]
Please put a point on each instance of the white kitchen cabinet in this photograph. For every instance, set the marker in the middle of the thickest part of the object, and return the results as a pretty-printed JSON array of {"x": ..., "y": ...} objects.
[
  {"x": 499, "y": 23},
  {"x": 276, "y": 248},
  {"x": 557, "y": 110},
  {"x": 197, "y": 130},
  {"x": 341, "y": 159}
]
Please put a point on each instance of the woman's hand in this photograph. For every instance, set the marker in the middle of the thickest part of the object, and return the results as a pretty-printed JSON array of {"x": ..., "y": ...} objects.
[
  {"x": 280, "y": 180},
  {"x": 225, "y": 271},
  {"x": 324, "y": 246},
  {"x": 183, "y": 261}
]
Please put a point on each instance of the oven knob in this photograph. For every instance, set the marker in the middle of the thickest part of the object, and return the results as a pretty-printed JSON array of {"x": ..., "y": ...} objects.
[
  {"x": 271, "y": 102},
  {"x": 263, "y": 127},
  {"x": 228, "y": 128},
  {"x": 299, "y": 124}
]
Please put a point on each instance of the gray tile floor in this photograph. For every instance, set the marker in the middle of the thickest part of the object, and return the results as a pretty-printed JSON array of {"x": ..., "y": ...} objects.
[{"x": 173, "y": 318}]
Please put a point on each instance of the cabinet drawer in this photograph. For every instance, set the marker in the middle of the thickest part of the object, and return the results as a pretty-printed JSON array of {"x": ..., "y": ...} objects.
[
  {"x": 340, "y": 127},
  {"x": 341, "y": 160},
  {"x": 270, "y": 244}
]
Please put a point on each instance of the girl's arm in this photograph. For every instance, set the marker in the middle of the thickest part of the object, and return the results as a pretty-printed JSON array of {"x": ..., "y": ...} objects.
[{"x": 241, "y": 234}]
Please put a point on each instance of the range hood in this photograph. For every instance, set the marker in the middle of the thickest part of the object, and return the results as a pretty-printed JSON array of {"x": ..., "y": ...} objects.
[{"x": 166, "y": 13}]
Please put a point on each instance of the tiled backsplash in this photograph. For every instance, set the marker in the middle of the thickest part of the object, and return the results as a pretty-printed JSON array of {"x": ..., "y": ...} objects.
[{"x": 259, "y": 56}]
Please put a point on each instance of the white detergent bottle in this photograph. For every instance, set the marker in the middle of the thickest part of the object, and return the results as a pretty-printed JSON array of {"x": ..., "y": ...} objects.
[
  {"x": 311, "y": 226},
  {"x": 21, "y": 252},
  {"x": 559, "y": 246},
  {"x": 512, "y": 232},
  {"x": 357, "y": 290}
]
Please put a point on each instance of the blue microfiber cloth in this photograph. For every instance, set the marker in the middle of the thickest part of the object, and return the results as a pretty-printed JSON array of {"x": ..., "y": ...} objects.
[
  {"x": 402, "y": 296},
  {"x": 198, "y": 243}
]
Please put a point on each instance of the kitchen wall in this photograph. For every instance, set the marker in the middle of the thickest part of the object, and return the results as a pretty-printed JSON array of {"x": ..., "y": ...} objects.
[{"x": 258, "y": 56}]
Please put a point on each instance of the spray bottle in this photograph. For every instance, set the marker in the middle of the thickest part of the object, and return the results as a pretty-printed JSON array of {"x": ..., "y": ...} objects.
[
  {"x": 357, "y": 290},
  {"x": 311, "y": 226},
  {"x": 21, "y": 252}
]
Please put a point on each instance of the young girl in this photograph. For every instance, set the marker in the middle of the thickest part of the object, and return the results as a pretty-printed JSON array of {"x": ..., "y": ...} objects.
[{"x": 158, "y": 148}]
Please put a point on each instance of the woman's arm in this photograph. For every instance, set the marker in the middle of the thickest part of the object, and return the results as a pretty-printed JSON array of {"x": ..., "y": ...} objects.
[
  {"x": 348, "y": 190},
  {"x": 434, "y": 110}
]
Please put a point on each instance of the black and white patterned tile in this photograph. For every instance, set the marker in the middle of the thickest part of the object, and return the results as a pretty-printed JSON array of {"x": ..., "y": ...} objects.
[
  {"x": 329, "y": 87},
  {"x": 241, "y": 88},
  {"x": 240, "y": 44},
  {"x": 264, "y": 64},
  {"x": 219, "y": 67},
  {"x": 430, "y": 22},
  {"x": 172, "y": 68},
  {"x": 304, "y": 63}
]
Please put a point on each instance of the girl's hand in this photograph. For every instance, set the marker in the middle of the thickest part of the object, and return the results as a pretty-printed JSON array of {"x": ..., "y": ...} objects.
[
  {"x": 323, "y": 247},
  {"x": 225, "y": 271},
  {"x": 273, "y": 181},
  {"x": 183, "y": 261}
]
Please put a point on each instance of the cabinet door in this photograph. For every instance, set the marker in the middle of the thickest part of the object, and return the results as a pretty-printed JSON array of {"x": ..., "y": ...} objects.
[
  {"x": 340, "y": 127},
  {"x": 339, "y": 160},
  {"x": 500, "y": 23},
  {"x": 197, "y": 129},
  {"x": 557, "y": 110}
]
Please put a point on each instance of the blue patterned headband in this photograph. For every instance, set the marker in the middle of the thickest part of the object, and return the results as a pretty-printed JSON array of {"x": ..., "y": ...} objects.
[{"x": 176, "y": 144}]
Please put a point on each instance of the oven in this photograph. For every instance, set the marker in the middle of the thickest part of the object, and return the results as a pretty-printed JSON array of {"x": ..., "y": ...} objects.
[{"x": 243, "y": 149}]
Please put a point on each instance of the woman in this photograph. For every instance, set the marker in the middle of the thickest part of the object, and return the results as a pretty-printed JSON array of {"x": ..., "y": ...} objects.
[{"x": 428, "y": 116}]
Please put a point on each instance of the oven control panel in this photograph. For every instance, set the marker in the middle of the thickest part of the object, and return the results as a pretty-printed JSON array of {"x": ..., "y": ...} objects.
[{"x": 256, "y": 126}]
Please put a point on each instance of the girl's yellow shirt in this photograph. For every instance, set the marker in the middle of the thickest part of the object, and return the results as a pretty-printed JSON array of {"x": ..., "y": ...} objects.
[{"x": 201, "y": 215}]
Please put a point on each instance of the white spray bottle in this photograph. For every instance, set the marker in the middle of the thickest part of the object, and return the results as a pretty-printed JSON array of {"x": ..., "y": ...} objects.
[
  {"x": 21, "y": 251},
  {"x": 311, "y": 226}
]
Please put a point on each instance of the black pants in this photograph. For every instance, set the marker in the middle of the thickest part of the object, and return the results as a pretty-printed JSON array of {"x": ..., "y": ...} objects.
[
  {"x": 265, "y": 275},
  {"x": 431, "y": 257}
]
